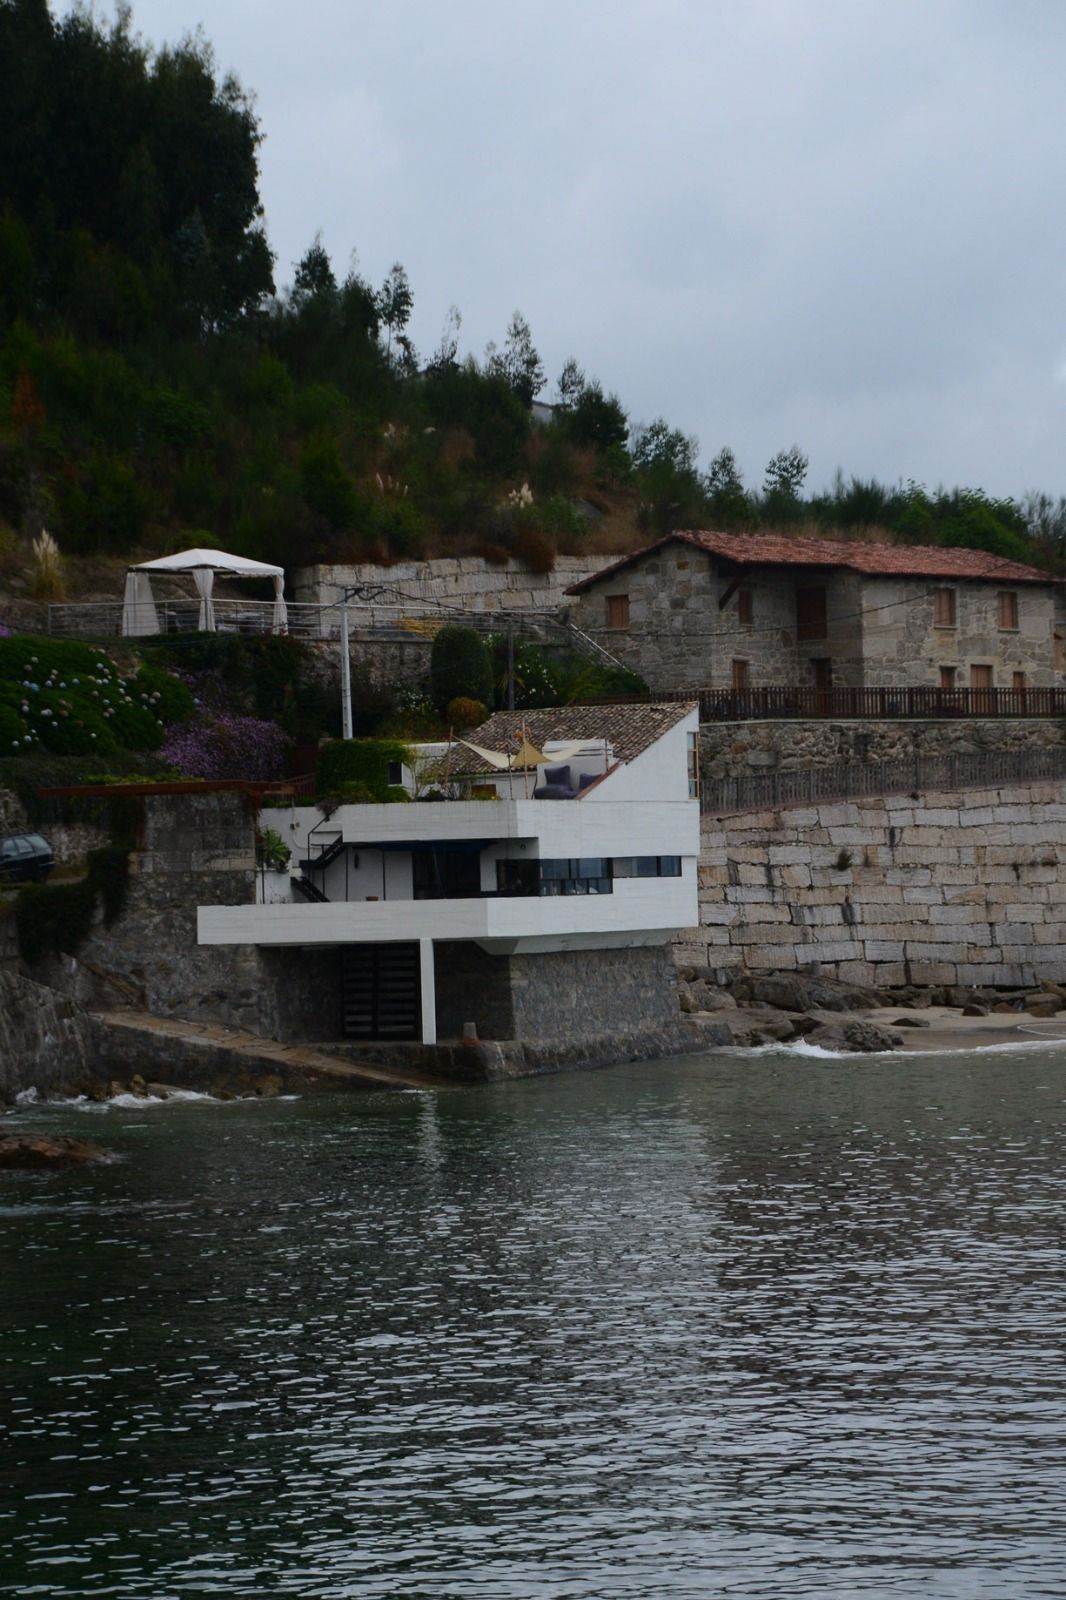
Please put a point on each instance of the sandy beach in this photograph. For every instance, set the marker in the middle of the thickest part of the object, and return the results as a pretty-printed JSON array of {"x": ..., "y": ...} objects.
[{"x": 949, "y": 1030}]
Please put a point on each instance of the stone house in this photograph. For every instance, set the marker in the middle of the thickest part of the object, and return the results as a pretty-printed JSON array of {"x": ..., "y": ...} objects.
[{"x": 736, "y": 611}]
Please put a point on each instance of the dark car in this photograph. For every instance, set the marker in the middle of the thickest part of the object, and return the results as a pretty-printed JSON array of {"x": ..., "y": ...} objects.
[{"x": 25, "y": 858}]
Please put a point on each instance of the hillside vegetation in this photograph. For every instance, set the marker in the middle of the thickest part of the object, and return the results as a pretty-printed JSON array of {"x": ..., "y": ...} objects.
[{"x": 158, "y": 388}]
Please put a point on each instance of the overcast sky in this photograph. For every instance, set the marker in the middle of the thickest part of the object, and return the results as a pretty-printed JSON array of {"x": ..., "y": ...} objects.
[{"x": 837, "y": 223}]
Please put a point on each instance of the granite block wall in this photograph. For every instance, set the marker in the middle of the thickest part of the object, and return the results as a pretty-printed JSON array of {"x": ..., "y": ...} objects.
[
  {"x": 468, "y": 582},
  {"x": 964, "y": 888},
  {"x": 738, "y": 749}
]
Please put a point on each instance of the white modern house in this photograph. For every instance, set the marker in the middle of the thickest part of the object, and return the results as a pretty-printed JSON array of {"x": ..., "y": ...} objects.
[{"x": 531, "y": 886}]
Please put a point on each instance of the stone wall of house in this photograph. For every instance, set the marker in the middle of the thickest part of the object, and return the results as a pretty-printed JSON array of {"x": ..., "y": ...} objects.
[
  {"x": 738, "y": 749},
  {"x": 673, "y": 617},
  {"x": 879, "y": 631},
  {"x": 963, "y": 888},
  {"x": 573, "y": 1005},
  {"x": 903, "y": 646},
  {"x": 307, "y": 993},
  {"x": 680, "y": 635}
]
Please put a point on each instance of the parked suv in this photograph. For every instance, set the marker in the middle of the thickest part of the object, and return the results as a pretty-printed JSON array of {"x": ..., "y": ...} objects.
[{"x": 25, "y": 858}]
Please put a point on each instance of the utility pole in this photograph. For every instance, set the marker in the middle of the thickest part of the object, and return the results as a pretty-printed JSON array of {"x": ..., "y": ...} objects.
[
  {"x": 510, "y": 666},
  {"x": 346, "y": 671}
]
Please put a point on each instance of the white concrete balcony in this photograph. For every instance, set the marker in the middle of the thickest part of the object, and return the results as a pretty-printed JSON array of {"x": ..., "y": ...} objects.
[{"x": 639, "y": 911}]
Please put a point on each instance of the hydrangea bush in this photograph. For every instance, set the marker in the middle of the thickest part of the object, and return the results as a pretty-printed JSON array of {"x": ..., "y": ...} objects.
[{"x": 71, "y": 699}]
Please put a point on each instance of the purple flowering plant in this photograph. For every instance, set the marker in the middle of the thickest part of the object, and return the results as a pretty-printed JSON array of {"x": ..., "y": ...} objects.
[{"x": 222, "y": 745}]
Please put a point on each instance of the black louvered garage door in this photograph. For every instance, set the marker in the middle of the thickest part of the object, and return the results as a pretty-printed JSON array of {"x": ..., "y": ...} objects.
[{"x": 381, "y": 991}]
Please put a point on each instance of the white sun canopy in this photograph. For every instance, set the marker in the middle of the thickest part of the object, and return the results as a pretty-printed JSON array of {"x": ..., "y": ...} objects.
[{"x": 139, "y": 615}]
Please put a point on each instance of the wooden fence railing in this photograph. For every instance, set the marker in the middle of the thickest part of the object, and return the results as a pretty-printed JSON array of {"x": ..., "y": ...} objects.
[
  {"x": 744, "y": 705},
  {"x": 856, "y": 780}
]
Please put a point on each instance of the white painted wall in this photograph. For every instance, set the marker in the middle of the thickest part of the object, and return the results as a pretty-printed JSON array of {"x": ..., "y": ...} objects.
[
  {"x": 658, "y": 773},
  {"x": 640, "y": 910},
  {"x": 563, "y": 827}
]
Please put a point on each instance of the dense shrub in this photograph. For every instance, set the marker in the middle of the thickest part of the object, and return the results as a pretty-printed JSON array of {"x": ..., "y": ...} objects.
[
  {"x": 464, "y": 713},
  {"x": 459, "y": 667},
  {"x": 226, "y": 746},
  {"x": 359, "y": 768},
  {"x": 71, "y": 698}
]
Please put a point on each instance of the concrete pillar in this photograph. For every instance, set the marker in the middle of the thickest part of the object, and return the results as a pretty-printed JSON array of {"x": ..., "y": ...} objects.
[{"x": 429, "y": 991}]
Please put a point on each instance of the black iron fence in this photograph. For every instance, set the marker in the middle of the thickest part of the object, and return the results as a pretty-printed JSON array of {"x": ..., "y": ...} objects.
[{"x": 856, "y": 780}]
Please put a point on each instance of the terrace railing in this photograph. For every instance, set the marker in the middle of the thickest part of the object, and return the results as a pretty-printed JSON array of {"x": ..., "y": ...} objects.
[
  {"x": 868, "y": 704},
  {"x": 103, "y": 619},
  {"x": 873, "y": 704},
  {"x": 857, "y": 780}
]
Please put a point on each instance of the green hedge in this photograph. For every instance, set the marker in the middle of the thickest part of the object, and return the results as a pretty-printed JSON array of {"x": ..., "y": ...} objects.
[
  {"x": 59, "y": 916},
  {"x": 359, "y": 769}
]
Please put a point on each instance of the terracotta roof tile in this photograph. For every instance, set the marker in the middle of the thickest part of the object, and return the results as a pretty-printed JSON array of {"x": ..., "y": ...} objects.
[
  {"x": 629, "y": 729},
  {"x": 874, "y": 560}
]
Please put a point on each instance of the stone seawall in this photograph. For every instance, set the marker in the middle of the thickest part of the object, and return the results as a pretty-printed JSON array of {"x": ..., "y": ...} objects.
[
  {"x": 739, "y": 749},
  {"x": 45, "y": 1038},
  {"x": 964, "y": 888}
]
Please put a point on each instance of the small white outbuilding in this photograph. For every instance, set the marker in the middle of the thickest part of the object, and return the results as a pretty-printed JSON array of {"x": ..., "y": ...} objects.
[{"x": 139, "y": 615}]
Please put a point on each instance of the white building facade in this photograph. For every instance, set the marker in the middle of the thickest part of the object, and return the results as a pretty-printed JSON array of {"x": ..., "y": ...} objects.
[{"x": 577, "y": 831}]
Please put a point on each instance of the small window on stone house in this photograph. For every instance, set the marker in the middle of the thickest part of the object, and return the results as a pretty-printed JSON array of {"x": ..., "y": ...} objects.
[
  {"x": 943, "y": 608},
  {"x": 947, "y": 677},
  {"x": 811, "y": 614},
  {"x": 618, "y": 611},
  {"x": 1017, "y": 681},
  {"x": 1008, "y": 611},
  {"x": 1059, "y": 648},
  {"x": 741, "y": 674},
  {"x": 745, "y": 607}
]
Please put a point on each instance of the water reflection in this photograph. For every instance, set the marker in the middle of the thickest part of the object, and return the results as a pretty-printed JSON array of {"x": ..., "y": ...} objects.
[{"x": 746, "y": 1327}]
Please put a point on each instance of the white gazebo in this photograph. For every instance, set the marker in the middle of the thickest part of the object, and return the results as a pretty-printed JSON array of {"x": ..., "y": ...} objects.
[{"x": 139, "y": 615}]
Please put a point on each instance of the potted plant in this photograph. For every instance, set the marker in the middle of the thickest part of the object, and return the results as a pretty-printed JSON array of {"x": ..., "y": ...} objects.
[{"x": 272, "y": 851}]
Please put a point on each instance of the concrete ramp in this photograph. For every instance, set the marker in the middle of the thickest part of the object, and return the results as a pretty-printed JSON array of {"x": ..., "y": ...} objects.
[{"x": 206, "y": 1056}]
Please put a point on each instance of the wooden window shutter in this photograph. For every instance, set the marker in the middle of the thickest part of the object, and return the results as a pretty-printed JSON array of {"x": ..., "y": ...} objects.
[
  {"x": 810, "y": 614},
  {"x": 618, "y": 611},
  {"x": 944, "y": 608}
]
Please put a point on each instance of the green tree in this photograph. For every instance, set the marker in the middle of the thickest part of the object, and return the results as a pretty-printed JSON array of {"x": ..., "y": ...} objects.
[
  {"x": 518, "y": 363},
  {"x": 459, "y": 666},
  {"x": 395, "y": 303},
  {"x": 729, "y": 503},
  {"x": 785, "y": 475}
]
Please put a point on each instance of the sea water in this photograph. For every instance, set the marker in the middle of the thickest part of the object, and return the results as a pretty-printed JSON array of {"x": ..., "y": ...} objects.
[{"x": 755, "y": 1324}]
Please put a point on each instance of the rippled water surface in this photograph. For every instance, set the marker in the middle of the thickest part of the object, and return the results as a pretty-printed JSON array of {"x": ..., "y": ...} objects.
[{"x": 763, "y": 1326}]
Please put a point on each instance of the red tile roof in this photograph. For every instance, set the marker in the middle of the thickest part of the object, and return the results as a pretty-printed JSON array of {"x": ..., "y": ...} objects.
[
  {"x": 628, "y": 728},
  {"x": 874, "y": 560}
]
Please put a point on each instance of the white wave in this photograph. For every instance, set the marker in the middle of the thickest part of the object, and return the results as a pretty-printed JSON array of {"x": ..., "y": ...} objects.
[{"x": 818, "y": 1052}]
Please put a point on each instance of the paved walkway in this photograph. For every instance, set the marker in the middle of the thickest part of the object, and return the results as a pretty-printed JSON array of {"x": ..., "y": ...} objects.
[{"x": 250, "y": 1052}]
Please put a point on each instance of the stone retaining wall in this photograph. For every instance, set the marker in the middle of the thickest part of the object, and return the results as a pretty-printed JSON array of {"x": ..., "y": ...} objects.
[
  {"x": 737, "y": 749},
  {"x": 468, "y": 582},
  {"x": 964, "y": 888}
]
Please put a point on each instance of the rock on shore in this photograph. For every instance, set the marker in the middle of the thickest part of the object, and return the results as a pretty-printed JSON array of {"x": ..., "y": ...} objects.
[{"x": 34, "y": 1151}]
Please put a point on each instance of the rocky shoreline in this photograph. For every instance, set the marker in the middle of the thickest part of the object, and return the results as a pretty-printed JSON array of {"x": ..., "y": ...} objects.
[{"x": 785, "y": 1008}]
